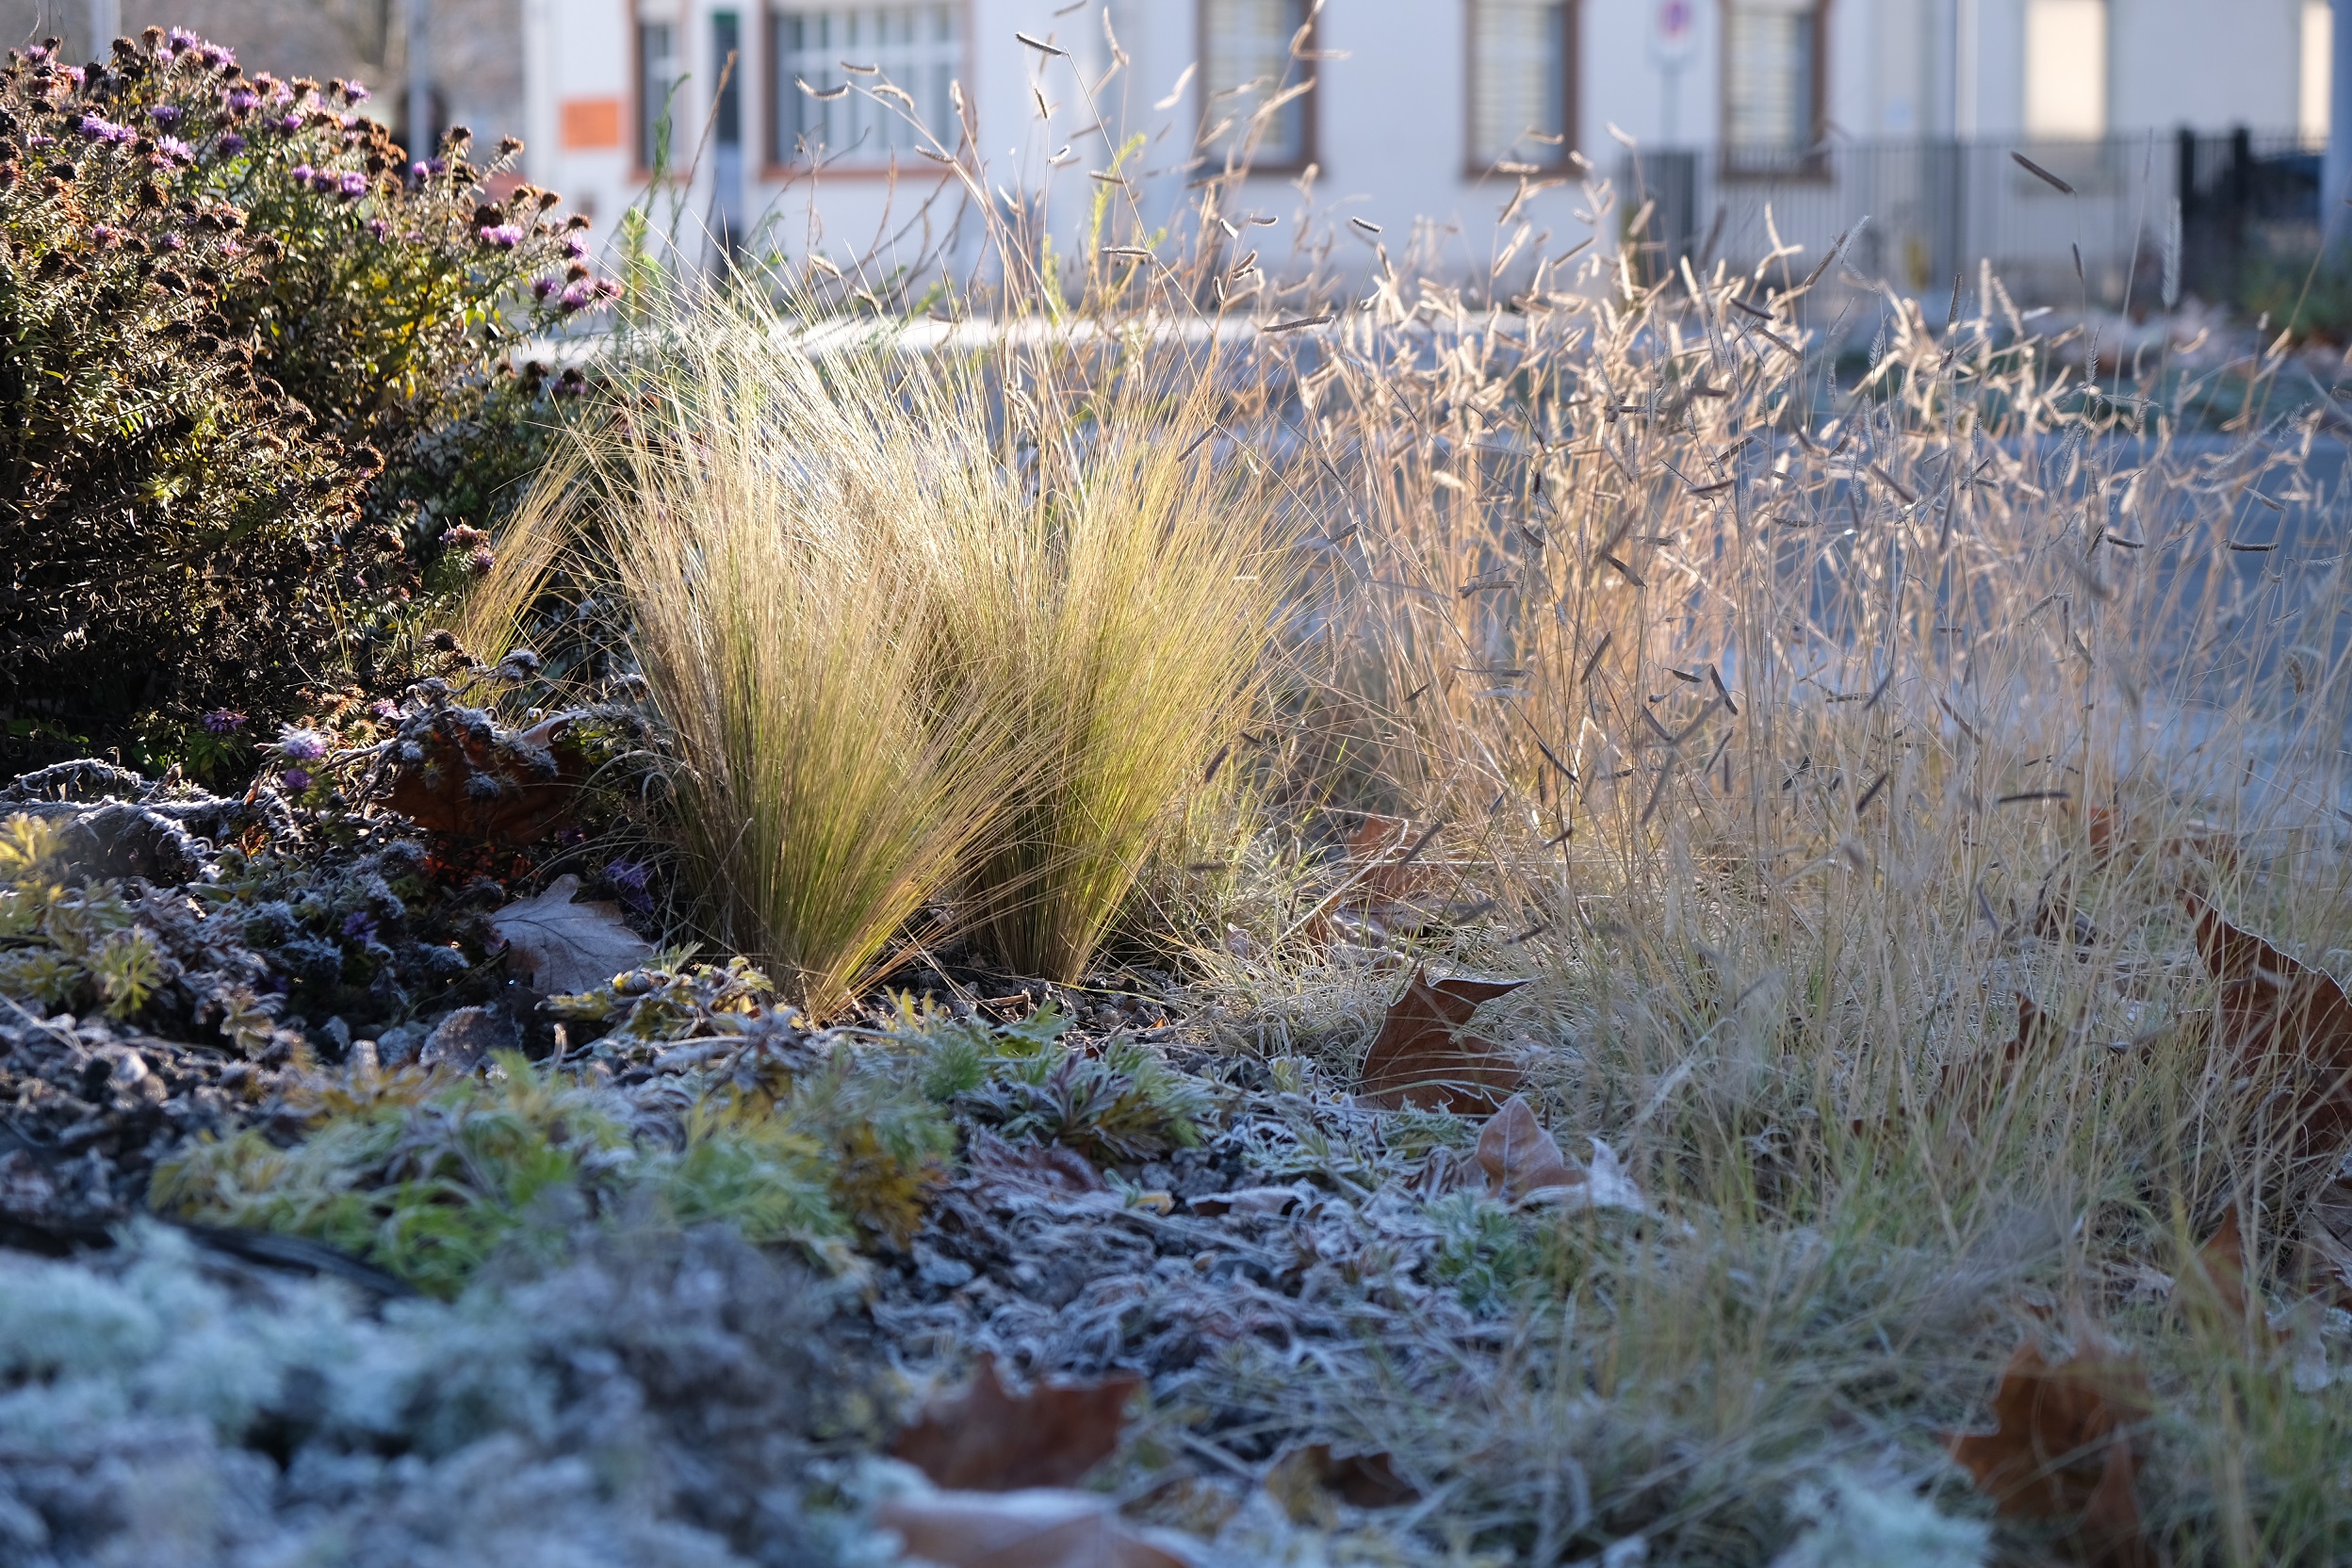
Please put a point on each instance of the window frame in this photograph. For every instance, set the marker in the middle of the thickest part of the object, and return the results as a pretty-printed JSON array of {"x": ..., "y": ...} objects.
[
  {"x": 640, "y": 124},
  {"x": 777, "y": 161},
  {"x": 1310, "y": 102},
  {"x": 1570, "y": 96},
  {"x": 1811, "y": 162}
]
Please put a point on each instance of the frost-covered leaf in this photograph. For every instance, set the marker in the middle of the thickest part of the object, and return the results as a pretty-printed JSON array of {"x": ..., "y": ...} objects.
[
  {"x": 562, "y": 947},
  {"x": 988, "y": 1440}
]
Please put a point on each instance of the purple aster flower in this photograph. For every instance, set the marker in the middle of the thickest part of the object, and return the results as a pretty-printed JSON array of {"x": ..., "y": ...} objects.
[
  {"x": 359, "y": 926},
  {"x": 290, "y": 122},
  {"x": 232, "y": 144},
  {"x": 541, "y": 288},
  {"x": 608, "y": 288},
  {"x": 37, "y": 52},
  {"x": 356, "y": 92},
  {"x": 483, "y": 561},
  {"x": 378, "y": 227},
  {"x": 296, "y": 744},
  {"x": 300, "y": 173},
  {"x": 417, "y": 173},
  {"x": 576, "y": 249},
  {"x": 106, "y": 236},
  {"x": 42, "y": 143},
  {"x": 296, "y": 780},
  {"x": 218, "y": 57},
  {"x": 439, "y": 165},
  {"x": 629, "y": 878},
  {"x": 72, "y": 74},
  {"x": 241, "y": 98},
  {"x": 95, "y": 128},
  {"x": 180, "y": 38},
  {"x": 505, "y": 237},
  {"x": 459, "y": 535},
  {"x": 174, "y": 149},
  {"x": 223, "y": 721},
  {"x": 577, "y": 297},
  {"x": 164, "y": 114},
  {"x": 173, "y": 242},
  {"x": 354, "y": 185},
  {"x": 384, "y": 708}
]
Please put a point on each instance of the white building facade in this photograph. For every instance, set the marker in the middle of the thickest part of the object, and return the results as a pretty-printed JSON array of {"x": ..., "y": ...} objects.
[{"x": 816, "y": 138}]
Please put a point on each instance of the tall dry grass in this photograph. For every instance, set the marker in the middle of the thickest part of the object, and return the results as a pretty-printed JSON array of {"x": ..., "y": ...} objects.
[{"x": 1764, "y": 696}]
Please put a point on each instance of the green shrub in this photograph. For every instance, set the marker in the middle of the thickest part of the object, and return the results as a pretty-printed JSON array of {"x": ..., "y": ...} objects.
[{"x": 240, "y": 338}]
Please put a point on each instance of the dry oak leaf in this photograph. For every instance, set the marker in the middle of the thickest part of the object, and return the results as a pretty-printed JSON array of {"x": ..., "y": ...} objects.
[
  {"x": 1375, "y": 854},
  {"x": 1423, "y": 1053},
  {"x": 988, "y": 1440},
  {"x": 1035, "y": 1528},
  {"x": 2063, "y": 1450},
  {"x": 1519, "y": 1157},
  {"x": 506, "y": 787},
  {"x": 2275, "y": 1012},
  {"x": 1307, "y": 1481},
  {"x": 562, "y": 947},
  {"x": 2216, "y": 1286}
]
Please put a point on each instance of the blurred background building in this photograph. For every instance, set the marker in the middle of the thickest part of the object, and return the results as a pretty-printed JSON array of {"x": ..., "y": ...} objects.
[{"x": 2180, "y": 137}]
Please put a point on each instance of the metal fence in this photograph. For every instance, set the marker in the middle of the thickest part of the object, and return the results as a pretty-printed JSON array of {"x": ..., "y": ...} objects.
[{"x": 2146, "y": 218}]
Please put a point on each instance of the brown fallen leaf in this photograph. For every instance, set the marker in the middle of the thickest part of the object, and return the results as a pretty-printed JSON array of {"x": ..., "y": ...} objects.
[
  {"x": 1974, "y": 1087},
  {"x": 506, "y": 785},
  {"x": 1035, "y": 1528},
  {"x": 2215, "y": 1284},
  {"x": 1306, "y": 1482},
  {"x": 1424, "y": 1055},
  {"x": 2278, "y": 1015},
  {"x": 988, "y": 1440},
  {"x": 1376, "y": 854},
  {"x": 560, "y": 947},
  {"x": 1519, "y": 1157},
  {"x": 2063, "y": 1449}
]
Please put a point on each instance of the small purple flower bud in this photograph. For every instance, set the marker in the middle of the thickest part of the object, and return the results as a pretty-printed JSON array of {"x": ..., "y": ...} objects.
[
  {"x": 504, "y": 236},
  {"x": 608, "y": 288},
  {"x": 577, "y": 297},
  {"x": 417, "y": 173},
  {"x": 240, "y": 99},
  {"x": 300, "y": 173},
  {"x": 232, "y": 144},
  {"x": 165, "y": 114},
  {"x": 296, "y": 780},
  {"x": 483, "y": 561},
  {"x": 576, "y": 249},
  {"x": 541, "y": 288},
  {"x": 355, "y": 184},
  {"x": 291, "y": 123},
  {"x": 37, "y": 53},
  {"x": 173, "y": 242},
  {"x": 296, "y": 744},
  {"x": 359, "y": 926},
  {"x": 377, "y": 227},
  {"x": 223, "y": 721}
]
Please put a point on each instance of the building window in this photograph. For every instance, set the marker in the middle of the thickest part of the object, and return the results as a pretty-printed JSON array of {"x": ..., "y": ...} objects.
[
  {"x": 863, "y": 84},
  {"x": 661, "y": 67},
  {"x": 1773, "y": 81},
  {"x": 1523, "y": 71},
  {"x": 2066, "y": 69},
  {"x": 2319, "y": 70},
  {"x": 1247, "y": 62}
]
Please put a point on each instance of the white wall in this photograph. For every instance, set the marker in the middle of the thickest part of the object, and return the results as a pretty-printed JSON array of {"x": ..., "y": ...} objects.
[{"x": 1392, "y": 128}]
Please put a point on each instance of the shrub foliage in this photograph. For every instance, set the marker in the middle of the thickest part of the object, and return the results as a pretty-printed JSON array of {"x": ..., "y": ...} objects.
[{"x": 246, "y": 354}]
